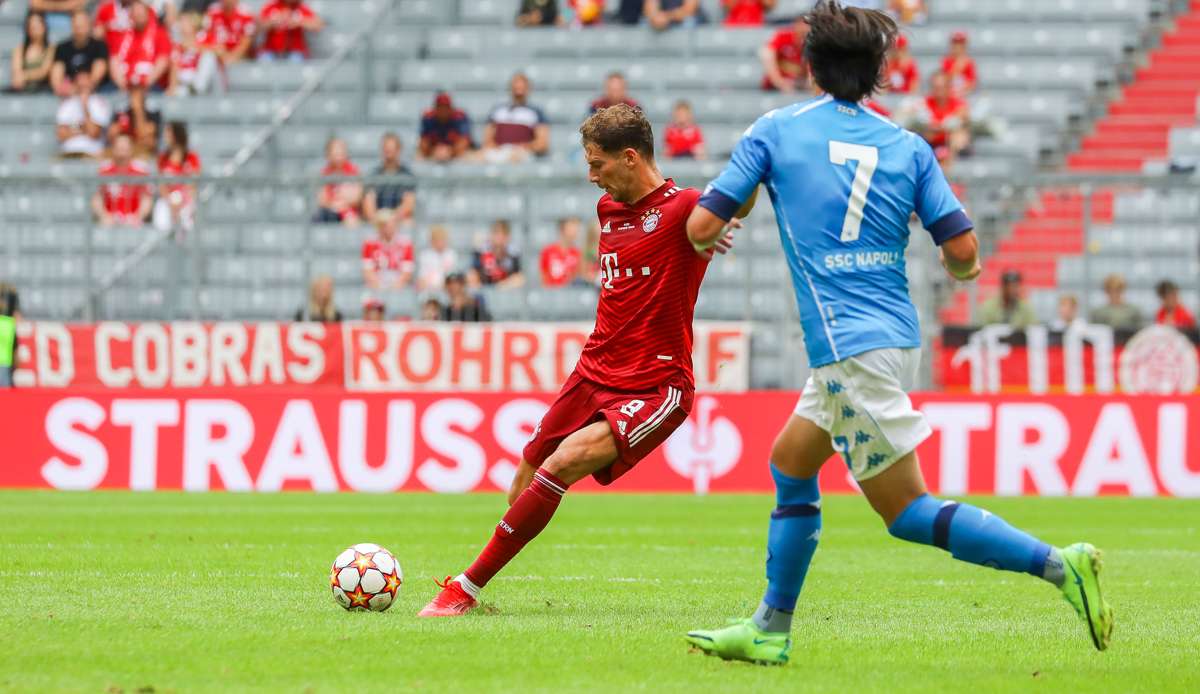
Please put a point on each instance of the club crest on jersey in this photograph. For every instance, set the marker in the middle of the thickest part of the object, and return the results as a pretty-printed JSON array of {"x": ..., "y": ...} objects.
[{"x": 650, "y": 220}]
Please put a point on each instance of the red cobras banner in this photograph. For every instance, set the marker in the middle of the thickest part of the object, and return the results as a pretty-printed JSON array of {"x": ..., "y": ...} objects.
[{"x": 527, "y": 357}]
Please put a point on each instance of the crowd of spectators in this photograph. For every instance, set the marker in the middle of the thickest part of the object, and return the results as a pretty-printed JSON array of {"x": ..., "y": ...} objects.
[
  {"x": 1010, "y": 307},
  {"x": 661, "y": 15},
  {"x": 104, "y": 68}
]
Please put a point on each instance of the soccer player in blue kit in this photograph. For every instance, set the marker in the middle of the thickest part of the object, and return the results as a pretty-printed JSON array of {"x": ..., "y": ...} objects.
[{"x": 844, "y": 182}]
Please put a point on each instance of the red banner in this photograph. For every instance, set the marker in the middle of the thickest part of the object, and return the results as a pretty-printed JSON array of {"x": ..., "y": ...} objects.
[
  {"x": 459, "y": 442},
  {"x": 385, "y": 357},
  {"x": 1080, "y": 359}
]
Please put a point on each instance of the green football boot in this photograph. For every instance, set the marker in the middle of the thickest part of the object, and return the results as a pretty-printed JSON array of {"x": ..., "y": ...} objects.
[
  {"x": 743, "y": 640},
  {"x": 1081, "y": 588}
]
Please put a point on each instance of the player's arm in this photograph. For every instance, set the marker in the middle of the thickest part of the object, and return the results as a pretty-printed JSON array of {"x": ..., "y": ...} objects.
[
  {"x": 960, "y": 256},
  {"x": 731, "y": 196},
  {"x": 944, "y": 217}
]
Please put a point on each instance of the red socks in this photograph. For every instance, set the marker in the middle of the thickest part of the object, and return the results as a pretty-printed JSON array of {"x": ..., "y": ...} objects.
[{"x": 527, "y": 517}]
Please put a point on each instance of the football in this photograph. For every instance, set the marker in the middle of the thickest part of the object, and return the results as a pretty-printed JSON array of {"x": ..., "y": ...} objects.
[{"x": 365, "y": 577}]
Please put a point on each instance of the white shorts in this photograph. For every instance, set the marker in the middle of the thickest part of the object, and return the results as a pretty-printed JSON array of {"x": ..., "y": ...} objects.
[{"x": 863, "y": 403}]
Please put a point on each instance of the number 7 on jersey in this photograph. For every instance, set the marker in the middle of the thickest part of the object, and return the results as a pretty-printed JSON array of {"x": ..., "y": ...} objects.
[{"x": 841, "y": 153}]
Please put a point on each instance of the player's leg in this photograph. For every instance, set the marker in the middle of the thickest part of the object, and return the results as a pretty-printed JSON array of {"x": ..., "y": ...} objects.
[
  {"x": 974, "y": 535},
  {"x": 800, "y": 450},
  {"x": 521, "y": 479},
  {"x": 579, "y": 455}
]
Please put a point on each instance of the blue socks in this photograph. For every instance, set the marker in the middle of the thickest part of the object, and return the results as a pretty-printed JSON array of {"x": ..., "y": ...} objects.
[
  {"x": 792, "y": 540},
  {"x": 974, "y": 535}
]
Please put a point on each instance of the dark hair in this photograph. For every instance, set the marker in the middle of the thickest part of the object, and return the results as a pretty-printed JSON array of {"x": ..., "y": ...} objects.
[
  {"x": 1165, "y": 287},
  {"x": 45, "y": 31},
  {"x": 617, "y": 127},
  {"x": 846, "y": 48},
  {"x": 179, "y": 136}
]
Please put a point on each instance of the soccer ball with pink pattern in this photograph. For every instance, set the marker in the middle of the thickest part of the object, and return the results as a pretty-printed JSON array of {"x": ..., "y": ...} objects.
[{"x": 366, "y": 577}]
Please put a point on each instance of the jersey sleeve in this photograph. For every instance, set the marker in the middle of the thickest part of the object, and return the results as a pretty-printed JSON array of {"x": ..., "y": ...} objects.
[
  {"x": 940, "y": 211},
  {"x": 748, "y": 166}
]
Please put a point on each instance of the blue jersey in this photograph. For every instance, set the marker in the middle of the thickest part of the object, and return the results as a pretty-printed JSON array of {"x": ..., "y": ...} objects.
[{"x": 844, "y": 182}]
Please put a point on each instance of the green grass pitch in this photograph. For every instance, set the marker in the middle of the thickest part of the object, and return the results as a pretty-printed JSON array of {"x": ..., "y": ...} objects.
[{"x": 107, "y": 592}]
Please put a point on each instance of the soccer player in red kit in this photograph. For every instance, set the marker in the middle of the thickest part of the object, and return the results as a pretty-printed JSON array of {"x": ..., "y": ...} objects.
[{"x": 633, "y": 384}]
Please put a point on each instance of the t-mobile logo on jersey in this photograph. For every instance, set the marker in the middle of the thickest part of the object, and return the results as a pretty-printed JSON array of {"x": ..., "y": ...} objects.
[{"x": 610, "y": 270}]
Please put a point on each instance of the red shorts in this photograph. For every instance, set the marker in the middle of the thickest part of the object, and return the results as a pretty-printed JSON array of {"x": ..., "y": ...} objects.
[{"x": 640, "y": 421}]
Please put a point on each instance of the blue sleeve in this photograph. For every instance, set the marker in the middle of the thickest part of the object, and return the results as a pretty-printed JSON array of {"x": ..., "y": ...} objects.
[
  {"x": 748, "y": 166},
  {"x": 939, "y": 209}
]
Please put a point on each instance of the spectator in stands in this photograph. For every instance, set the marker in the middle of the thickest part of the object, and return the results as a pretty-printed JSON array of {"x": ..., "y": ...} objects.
[
  {"x": 10, "y": 315},
  {"x": 616, "y": 91},
  {"x": 31, "y": 60},
  {"x": 1068, "y": 313},
  {"x": 141, "y": 63},
  {"x": 1008, "y": 307},
  {"x": 903, "y": 76},
  {"x": 516, "y": 130},
  {"x": 782, "y": 58},
  {"x": 1116, "y": 313},
  {"x": 193, "y": 65},
  {"x": 82, "y": 52},
  {"x": 445, "y": 131},
  {"x": 394, "y": 199},
  {"x": 682, "y": 139},
  {"x": 165, "y": 10},
  {"x": 196, "y": 6},
  {"x": 1170, "y": 311},
  {"x": 124, "y": 204},
  {"x": 461, "y": 304},
  {"x": 499, "y": 262},
  {"x": 339, "y": 202},
  {"x": 945, "y": 120},
  {"x": 285, "y": 23},
  {"x": 176, "y": 205},
  {"x": 664, "y": 14},
  {"x": 320, "y": 307},
  {"x": 561, "y": 260},
  {"x": 114, "y": 21},
  {"x": 534, "y": 13},
  {"x": 229, "y": 31},
  {"x": 82, "y": 120},
  {"x": 437, "y": 261},
  {"x": 959, "y": 66},
  {"x": 373, "y": 309},
  {"x": 58, "y": 15},
  {"x": 907, "y": 11},
  {"x": 387, "y": 258},
  {"x": 590, "y": 270},
  {"x": 746, "y": 13},
  {"x": 431, "y": 309},
  {"x": 587, "y": 12}
]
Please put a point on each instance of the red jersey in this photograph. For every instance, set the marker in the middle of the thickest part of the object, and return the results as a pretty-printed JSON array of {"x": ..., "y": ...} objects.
[
  {"x": 789, "y": 55},
  {"x": 140, "y": 51},
  {"x": 1179, "y": 318},
  {"x": 650, "y": 278},
  {"x": 113, "y": 17},
  {"x": 283, "y": 40},
  {"x": 395, "y": 256},
  {"x": 940, "y": 111},
  {"x": 123, "y": 199},
  {"x": 560, "y": 265},
  {"x": 961, "y": 72},
  {"x": 902, "y": 76},
  {"x": 346, "y": 169},
  {"x": 189, "y": 167},
  {"x": 682, "y": 140},
  {"x": 226, "y": 30},
  {"x": 743, "y": 12}
]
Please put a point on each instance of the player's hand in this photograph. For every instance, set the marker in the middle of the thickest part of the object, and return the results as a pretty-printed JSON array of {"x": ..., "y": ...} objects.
[
  {"x": 724, "y": 244},
  {"x": 975, "y": 271}
]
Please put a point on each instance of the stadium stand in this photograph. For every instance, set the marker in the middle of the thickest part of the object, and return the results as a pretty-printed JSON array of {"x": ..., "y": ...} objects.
[{"x": 1045, "y": 72}]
